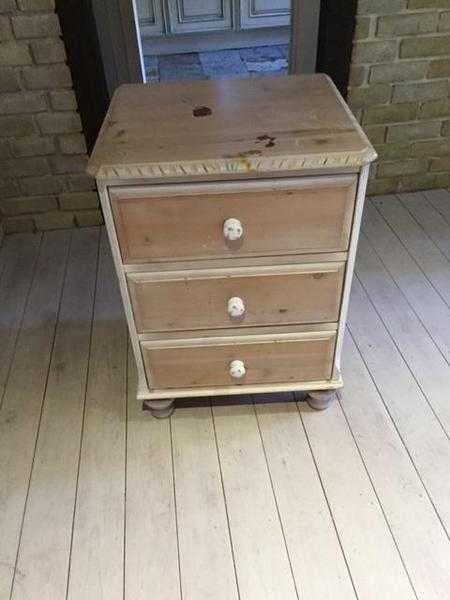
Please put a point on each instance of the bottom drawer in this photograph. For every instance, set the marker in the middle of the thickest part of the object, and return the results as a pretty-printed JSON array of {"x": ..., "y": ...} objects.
[{"x": 216, "y": 362}]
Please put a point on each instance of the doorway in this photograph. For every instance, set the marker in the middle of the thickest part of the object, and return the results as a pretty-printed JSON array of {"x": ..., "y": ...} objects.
[
  {"x": 104, "y": 49},
  {"x": 214, "y": 39}
]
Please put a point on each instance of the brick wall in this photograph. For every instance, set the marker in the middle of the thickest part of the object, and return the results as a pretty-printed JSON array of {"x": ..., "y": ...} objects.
[
  {"x": 42, "y": 149},
  {"x": 399, "y": 90}
]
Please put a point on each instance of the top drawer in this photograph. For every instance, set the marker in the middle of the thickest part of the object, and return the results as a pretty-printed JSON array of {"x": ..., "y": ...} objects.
[{"x": 223, "y": 220}]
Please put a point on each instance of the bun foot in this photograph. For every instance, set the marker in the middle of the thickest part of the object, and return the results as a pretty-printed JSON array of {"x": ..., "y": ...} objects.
[
  {"x": 320, "y": 400},
  {"x": 160, "y": 409}
]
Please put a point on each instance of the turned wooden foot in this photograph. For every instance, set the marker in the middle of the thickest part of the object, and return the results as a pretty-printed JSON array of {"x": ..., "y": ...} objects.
[
  {"x": 160, "y": 409},
  {"x": 320, "y": 400}
]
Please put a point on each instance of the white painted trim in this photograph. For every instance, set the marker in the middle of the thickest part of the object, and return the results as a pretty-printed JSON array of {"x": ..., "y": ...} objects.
[
  {"x": 247, "y": 262},
  {"x": 231, "y": 187},
  {"x": 235, "y": 390},
  {"x": 230, "y": 332},
  {"x": 242, "y": 339},
  {"x": 356, "y": 225},
  {"x": 143, "y": 389},
  {"x": 270, "y": 271}
]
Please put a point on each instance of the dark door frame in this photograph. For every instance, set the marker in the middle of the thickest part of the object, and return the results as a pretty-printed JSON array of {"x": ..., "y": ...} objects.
[
  {"x": 336, "y": 33},
  {"x": 102, "y": 46},
  {"x": 100, "y": 39}
]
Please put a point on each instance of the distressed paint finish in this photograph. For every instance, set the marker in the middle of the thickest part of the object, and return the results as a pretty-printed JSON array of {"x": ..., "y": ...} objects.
[{"x": 270, "y": 136}]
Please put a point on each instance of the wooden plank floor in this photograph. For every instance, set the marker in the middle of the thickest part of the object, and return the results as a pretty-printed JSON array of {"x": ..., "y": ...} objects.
[{"x": 250, "y": 498}]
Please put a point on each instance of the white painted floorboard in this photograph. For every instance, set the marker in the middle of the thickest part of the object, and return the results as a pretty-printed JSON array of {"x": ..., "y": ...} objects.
[
  {"x": 440, "y": 199},
  {"x": 311, "y": 536},
  {"x": 411, "y": 281},
  {"x": 250, "y": 498},
  {"x": 47, "y": 529},
  {"x": 263, "y": 567},
  {"x": 151, "y": 551},
  {"x": 364, "y": 532},
  {"x": 208, "y": 572},
  {"x": 432, "y": 222},
  {"x": 421, "y": 247},
  {"x": 428, "y": 445},
  {"x": 97, "y": 553},
  {"x": 429, "y": 366},
  {"x": 22, "y": 403},
  {"x": 425, "y": 549},
  {"x": 18, "y": 255}
]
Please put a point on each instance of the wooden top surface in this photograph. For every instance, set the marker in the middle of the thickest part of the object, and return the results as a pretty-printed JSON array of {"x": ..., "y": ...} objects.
[{"x": 255, "y": 125}]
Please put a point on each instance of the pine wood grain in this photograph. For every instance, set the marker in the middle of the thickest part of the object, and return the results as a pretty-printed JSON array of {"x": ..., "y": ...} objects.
[
  {"x": 199, "y": 299},
  {"x": 228, "y": 126},
  {"x": 308, "y": 358},
  {"x": 183, "y": 222}
]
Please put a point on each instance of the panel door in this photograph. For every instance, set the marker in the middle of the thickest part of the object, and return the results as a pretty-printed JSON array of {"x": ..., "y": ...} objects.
[
  {"x": 264, "y": 13},
  {"x": 199, "y": 15},
  {"x": 150, "y": 16}
]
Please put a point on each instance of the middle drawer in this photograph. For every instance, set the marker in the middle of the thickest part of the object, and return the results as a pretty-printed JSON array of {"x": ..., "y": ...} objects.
[{"x": 247, "y": 296}]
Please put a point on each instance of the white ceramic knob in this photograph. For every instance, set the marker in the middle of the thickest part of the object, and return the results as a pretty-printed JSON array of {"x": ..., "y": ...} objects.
[
  {"x": 236, "y": 307},
  {"x": 237, "y": 369},
  {"x": 232, "y": 229}
]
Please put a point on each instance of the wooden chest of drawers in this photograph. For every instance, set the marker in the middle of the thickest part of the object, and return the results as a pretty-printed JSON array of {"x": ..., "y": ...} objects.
[{"x": 233, "y": 210}]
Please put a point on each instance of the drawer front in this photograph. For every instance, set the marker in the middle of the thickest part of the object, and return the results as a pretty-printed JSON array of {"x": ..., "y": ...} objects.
[
  {"x": 182, "y": 222},
  {"x": 228, "y": 298},
  {"x": 306, "y": 358}
]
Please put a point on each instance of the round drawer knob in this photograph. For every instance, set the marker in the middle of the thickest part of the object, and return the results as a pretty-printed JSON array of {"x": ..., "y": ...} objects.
[
  {"x": 237, "y": 369},
  {"x": 236, "y": 307},
  {"x": 232, "y": 230}
]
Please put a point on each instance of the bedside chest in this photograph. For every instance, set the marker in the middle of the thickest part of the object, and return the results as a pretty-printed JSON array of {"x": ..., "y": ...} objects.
[{"x": 233, "y": 210}]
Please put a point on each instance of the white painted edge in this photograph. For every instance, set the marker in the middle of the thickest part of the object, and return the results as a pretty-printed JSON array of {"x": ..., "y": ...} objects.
[
  {"x": 142, "y": 389},
  {"x": 237, "y": 272},
  {"x": 356, "y": 226},
  {"x": 268, "y": 338},
  {"x": 235, "y": 390},
  {"x": 206, "y": 188}
]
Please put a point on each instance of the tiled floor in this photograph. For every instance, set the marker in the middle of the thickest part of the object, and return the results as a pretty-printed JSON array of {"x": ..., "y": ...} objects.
[{"x": 245, "y": 62}]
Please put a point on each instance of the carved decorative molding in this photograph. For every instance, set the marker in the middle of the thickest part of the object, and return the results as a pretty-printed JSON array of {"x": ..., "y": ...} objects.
[{"x": 235, "y": 165}]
